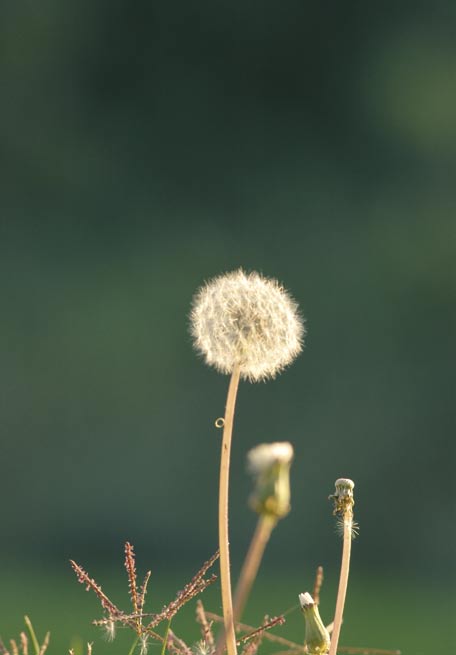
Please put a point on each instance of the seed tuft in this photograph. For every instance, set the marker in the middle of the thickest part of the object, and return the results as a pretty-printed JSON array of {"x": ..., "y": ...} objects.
[{"x": 246, "y": 320}]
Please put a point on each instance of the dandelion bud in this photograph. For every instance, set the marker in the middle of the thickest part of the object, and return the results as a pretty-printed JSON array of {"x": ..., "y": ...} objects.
[
  {"x": 246, "y": 320},
  {"x": 270, "y": 466},
  {"x": 317, "y": 637}
]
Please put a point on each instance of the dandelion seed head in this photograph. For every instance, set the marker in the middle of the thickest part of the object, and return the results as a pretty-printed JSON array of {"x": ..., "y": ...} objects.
[{"x": 246, "y": 320}]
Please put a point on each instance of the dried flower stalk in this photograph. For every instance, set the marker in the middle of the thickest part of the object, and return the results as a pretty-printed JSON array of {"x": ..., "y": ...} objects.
[{"x": 343, "y": 507}]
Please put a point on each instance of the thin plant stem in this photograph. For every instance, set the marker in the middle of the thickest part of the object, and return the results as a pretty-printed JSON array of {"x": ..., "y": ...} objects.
[
  {"x": 228, "y": 634},
  {"x": 45, "y": 643},
  {"x": 317, "y": 585},
  {"x": 29, "y": 625},
  {"x": 249, "y": 628},
  {"x": 343, "y": 581},
  {"x": 165, "y": 638},
  {"x": 133, "y": 646},
  {"x": 264, "y": 528}
]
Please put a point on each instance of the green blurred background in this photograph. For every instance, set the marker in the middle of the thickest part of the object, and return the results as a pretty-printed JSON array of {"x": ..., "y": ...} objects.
[{"x": 147, "y": 146}]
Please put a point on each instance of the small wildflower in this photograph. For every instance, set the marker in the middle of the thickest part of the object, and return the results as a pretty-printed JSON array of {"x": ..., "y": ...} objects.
[
  {"x": 317, "y": 637},
  {"x": 246, "y": 320},
  {"x": 270, "y": 466}
]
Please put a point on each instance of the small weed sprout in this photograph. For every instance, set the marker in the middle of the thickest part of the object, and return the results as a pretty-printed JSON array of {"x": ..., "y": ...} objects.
[
  {"x": 135, "y": 619},
  {"x": 26, "y": 643}
]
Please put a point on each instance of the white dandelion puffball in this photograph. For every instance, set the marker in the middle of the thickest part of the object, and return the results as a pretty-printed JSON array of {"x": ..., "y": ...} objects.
[{"x": 246, "y": 320}]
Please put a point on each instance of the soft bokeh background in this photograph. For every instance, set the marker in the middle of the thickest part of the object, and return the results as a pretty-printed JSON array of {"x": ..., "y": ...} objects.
[{"x": 147, "y": 146}]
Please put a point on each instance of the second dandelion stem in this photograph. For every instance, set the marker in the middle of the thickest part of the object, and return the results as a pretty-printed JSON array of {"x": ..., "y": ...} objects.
[
  {"x": 225, "y": 577},
  {"x": 265, "y": 526}
]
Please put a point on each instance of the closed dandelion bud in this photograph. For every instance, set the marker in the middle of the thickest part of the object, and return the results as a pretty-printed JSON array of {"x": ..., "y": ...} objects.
[
  {"x": 248, "y": 321},
  {"x": 270, "y": 466},
  {"x": 317, "y": 637}
]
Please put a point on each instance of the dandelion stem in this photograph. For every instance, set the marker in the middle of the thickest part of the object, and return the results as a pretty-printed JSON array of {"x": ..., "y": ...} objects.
[
  {"x": 343, "y": 580},
  {"x": 264, "y": 528},
  {"x": 133, "y": 646},
  {"x": 228, "y": 634}
]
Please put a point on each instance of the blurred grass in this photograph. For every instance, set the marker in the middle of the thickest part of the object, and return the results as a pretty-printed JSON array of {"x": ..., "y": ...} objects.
[{"x": 380, "y": 612}]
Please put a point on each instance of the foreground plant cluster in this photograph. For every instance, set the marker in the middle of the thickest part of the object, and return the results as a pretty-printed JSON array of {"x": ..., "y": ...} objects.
[{"x": 248, "y": 327}]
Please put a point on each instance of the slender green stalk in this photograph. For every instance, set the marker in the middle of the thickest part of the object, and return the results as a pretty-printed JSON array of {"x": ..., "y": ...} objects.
[
  {"x": 228, "y": 634},
  {"x": 264, "y": 528},
  {"x": 133, "y": 646},
  {"x": 165, "y": 638},
  {"x": 29, "y": 625},
  {"x": 343, "y": 581}
]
